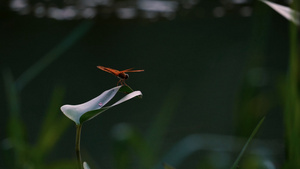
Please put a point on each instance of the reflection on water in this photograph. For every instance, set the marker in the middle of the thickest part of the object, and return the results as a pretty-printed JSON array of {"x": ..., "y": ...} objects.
[
  {"x": 20, "y": 6},
  {"x": 219, "y": 11},
  {"x": 125, "y": 9},
  {"x": 126, "y": 13}
]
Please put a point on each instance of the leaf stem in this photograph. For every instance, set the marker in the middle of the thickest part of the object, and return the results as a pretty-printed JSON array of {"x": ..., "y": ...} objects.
[{"x": 77, "y": 145}]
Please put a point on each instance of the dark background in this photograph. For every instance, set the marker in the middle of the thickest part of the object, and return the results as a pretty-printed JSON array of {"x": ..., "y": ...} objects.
[{"x": 205, "y": 60}]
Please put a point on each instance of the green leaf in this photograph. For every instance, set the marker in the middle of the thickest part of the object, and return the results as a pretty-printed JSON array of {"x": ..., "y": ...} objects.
[
  {"x": 127, "y": 89},
  {"x": 286, "y": 12},
  {"x": 235, "y": 164}
]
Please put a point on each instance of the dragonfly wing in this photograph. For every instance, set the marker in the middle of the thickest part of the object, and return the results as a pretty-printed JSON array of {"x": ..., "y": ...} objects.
[
  {"x": 135, "y": 71},
  {"x": 109, "y": 70},
  {"x": 130, "y": 70}
]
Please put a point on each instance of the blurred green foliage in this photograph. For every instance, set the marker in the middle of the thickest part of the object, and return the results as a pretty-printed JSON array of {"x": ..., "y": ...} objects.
[
  {"x": 21, "y": 154},
  {"x": 135, "y": 149},
  {"x": 292, "y": 99},
  {"x": 254, "y": 100},
  {"x": 18, "y": 151}
]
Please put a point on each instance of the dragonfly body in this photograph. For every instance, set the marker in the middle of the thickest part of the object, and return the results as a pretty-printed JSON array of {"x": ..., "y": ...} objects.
[{"x": 122, "y": 75}]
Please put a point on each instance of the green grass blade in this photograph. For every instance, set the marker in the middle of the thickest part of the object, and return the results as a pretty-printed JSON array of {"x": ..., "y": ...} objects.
[
  {"x": 16, "y": 133},
  {"x": 292, "y": 106},
  {"x": 235, "y": 164},
  {"x": 53, "y": 54},
  {"x": 11, "y": 93},
  {"x": 155, "y": 134},
  {"x": 52, "y": 127},
  {"x": 52, "y": 112},
  {"x": 162, "y": 120}
]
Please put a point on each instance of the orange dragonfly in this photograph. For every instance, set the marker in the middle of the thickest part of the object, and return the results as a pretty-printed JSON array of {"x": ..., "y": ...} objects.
[{"x": 122, "y": 75}]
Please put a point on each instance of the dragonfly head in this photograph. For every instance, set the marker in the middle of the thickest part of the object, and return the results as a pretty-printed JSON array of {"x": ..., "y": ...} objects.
[
  {"x": 126, "y": 76},
  {"x": 123, "y": 76}
]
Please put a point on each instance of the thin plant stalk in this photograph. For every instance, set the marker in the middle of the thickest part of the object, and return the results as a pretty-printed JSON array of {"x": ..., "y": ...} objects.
[
  {"x": 292, "y": 106},
  {"x": 235, "y": 164},
  {"x": 77, "y": 146}
]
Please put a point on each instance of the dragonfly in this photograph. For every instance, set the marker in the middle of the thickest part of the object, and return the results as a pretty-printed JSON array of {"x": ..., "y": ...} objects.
[{"x": 122, "y": 75}]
